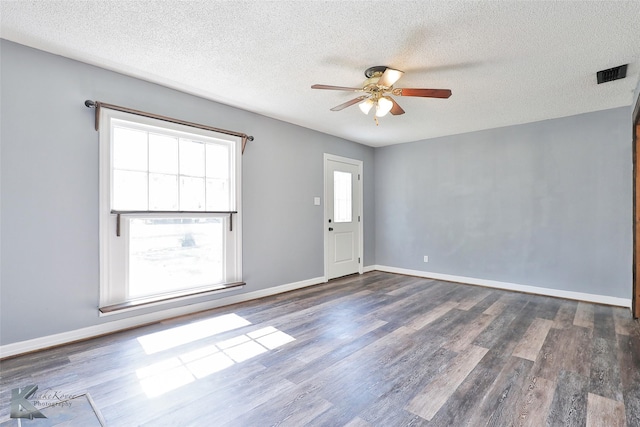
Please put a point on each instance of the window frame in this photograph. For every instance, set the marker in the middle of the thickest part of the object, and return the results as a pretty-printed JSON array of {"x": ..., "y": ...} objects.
[{"x": 114, "y": 250}]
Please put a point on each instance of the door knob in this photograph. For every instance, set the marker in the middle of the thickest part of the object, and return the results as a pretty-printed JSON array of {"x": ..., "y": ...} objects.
[{"x": 330, "y": 228}]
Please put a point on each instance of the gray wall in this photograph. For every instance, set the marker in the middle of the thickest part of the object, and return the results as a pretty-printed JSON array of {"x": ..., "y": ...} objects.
[
  {"x": 49, "y": 176},
  {"x": 545, "y": 204},
  {"x": 636, "y": 96}
]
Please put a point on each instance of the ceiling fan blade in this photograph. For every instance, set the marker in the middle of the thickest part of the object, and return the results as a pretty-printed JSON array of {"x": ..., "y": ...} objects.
[
  {"x": 425, "y": 93},
  {"x": 350, "y": 89},
  {"x": 396, "y": 110},
  {"x": 349, "y": 103},
  {"x": 389, "y": 77}
]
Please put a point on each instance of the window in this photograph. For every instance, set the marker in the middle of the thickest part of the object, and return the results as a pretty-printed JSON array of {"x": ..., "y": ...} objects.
[
  {"x": 341, "y": 196},
  {"x": 169, "y": 218}
]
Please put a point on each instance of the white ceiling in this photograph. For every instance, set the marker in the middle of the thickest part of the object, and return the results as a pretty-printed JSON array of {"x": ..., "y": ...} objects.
[{"x": 506, "y": 62}]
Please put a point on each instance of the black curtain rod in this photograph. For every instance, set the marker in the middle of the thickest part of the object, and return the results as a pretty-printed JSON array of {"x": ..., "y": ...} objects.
[{"x": 97, "y": 105}]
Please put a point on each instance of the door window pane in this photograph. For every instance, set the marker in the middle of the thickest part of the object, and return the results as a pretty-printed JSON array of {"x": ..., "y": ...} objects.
[
  {"x": 173, "y": 254},
  {"x": 341, "y": 196}
]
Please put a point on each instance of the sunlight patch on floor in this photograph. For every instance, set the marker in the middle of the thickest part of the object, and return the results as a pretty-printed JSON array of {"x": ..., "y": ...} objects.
[
  {"x": 164, "y": 376},
  {"x": 175, "y": 372},
  {"x": 174, "y": 337}
]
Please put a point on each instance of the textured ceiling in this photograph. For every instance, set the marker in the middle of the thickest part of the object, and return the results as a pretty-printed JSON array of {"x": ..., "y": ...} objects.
[{"x": 506, "y": 62}]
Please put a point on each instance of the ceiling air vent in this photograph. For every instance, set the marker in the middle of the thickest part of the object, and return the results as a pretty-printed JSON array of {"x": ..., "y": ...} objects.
[{"x": 615, "y": 73}]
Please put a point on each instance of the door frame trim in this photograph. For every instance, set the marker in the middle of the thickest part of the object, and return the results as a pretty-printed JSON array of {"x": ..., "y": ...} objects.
[{"x": 325, "y": 218}]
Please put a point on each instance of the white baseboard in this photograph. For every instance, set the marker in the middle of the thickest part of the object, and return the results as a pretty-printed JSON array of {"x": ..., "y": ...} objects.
[
  {"x": 40, "y": 343},
  {"x": 368, "y": 268},
  {"x": 580, "y": 296}
]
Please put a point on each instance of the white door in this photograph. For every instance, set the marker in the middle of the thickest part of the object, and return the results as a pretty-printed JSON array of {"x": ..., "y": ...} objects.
[{"x": 343, "y": 201}]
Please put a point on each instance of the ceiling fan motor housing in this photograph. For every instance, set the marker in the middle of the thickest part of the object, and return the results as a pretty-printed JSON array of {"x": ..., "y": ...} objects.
[
  {"x": 372, "y": 71},
  {"x": 370, "y": 85}
]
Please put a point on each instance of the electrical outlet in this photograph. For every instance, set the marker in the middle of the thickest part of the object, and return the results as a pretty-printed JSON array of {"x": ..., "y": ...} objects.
[{"x": 426, "y": 258}]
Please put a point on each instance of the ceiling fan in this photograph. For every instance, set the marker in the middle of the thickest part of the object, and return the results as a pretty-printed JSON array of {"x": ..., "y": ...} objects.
[{"x": 378, "y": 87}]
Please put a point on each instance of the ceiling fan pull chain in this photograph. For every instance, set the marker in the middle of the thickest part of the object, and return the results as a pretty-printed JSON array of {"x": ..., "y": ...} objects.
[{"x": 376, "y": 119}]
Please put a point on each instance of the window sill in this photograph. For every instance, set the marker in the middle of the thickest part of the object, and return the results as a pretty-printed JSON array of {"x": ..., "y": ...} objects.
[{"x": 164, "y": 299}]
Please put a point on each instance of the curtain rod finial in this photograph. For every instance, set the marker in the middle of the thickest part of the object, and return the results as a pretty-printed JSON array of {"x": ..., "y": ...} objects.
[
  {"x": 250, "y": 138},
  {"x": 89, "y": 103}
]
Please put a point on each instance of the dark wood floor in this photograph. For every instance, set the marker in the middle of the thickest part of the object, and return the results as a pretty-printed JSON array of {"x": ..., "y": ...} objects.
[{"x": 372, "y": 350}]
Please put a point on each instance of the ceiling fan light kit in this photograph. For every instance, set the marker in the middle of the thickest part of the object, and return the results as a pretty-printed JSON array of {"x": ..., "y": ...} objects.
[
  {"x": 383, "y": 106},
  {"x": 378, "y": 87},
  {"x": 366, "y": 105}
]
